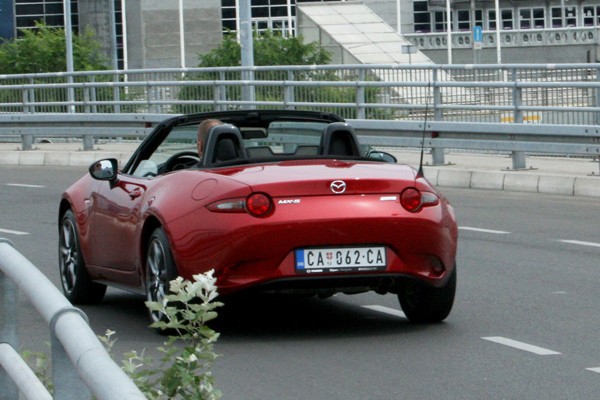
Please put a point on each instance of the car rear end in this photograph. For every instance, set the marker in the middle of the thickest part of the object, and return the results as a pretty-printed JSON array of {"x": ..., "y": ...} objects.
[{"x": 321, "y": 227}]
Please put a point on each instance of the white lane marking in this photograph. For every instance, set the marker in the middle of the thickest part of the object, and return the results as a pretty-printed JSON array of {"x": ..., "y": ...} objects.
[
  {"x": 520, "y": 345},
  {"x": 24, "y": 185},
  {"x": 581, "y": 243},
  {"x": 386, "y": 310},
  {"x": 597, "y": 370},
  {"x": 468, "y": 228},
  {"x": 13, "y": 232}
]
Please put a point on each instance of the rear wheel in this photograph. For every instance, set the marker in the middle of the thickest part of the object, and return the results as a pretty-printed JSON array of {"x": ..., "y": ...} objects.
[
  {"x": 77, "y": 285},
  {"x": 160, "y": 270},
  {"x": 422, "y": 303}
]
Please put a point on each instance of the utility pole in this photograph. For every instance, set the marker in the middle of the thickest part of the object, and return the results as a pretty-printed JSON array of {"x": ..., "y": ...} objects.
[
  {"x": 181, "y": 35},
  {"x": 498, "y": 27},
  {"x": 247, "y": 50},
  {"x": 449, "y": 30},
  {"x": 69, "y": 40}
]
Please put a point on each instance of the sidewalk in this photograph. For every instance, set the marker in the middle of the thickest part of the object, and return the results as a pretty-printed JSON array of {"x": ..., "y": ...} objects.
[{"x": 553, "y": 175}]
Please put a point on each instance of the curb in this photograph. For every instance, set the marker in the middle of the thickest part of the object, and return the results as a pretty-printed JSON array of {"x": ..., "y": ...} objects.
[
  {"x": 511, "y": 181},
  {"x": 59, "y": 158}
]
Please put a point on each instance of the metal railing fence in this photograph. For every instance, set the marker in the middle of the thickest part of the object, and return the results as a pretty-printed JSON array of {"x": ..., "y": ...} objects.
[
  {"x": 548, "y": 93},
  {"x": 81, "y": 367}
]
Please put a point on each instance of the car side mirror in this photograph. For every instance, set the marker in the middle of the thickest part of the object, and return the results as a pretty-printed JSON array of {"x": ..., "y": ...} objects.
[
  {"x": 382, "y": 156},
  {"x": 104, "y": 170}
]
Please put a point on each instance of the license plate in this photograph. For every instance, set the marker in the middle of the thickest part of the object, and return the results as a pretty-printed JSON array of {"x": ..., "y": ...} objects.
[{"x": 341, "y": 259}]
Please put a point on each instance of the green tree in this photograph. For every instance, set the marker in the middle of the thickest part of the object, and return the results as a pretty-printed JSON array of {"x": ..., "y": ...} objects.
[
  {"x": 270, "y": 48},
  {"x": 44, "y": 50}
]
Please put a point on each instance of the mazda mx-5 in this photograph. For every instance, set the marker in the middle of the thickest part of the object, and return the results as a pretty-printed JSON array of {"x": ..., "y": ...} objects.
[{"x": 278, "y": 201}]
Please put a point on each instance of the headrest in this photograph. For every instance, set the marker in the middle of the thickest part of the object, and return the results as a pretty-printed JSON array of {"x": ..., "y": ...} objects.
[
  {"x": 339, "y": 139},
  {"x": 223, "y": 143}
]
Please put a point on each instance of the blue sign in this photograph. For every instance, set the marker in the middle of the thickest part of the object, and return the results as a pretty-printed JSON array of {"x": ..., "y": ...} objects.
[
  {"x": 477, "y": 34},
  {"x": 7, "y": 19}
]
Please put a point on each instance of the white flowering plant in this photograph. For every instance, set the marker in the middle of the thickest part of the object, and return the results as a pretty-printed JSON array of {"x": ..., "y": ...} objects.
[{"x": 183, "y": 371}]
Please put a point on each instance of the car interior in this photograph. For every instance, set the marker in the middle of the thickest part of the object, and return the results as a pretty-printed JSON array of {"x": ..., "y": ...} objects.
[{"x": 243, "y": 141}]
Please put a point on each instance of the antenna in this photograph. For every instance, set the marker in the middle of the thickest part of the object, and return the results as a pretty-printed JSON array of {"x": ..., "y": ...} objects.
[{"x": 420, "y": 173}]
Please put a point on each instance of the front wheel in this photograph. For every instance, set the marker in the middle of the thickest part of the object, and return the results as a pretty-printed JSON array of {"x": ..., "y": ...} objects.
[
  {"x": 160, "y": 270},
  {"x": 422, "y": 303},
  {"x": 77, "y": 285}
]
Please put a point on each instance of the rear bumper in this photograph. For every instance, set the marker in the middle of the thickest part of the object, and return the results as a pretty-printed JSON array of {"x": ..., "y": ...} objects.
[{"x": 247, "y": 251}]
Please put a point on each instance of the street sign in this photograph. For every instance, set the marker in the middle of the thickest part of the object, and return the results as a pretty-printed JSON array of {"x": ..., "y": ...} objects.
[{"x": 477, "y": 34}]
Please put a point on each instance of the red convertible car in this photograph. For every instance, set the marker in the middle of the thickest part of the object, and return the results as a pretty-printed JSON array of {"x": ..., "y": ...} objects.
[{"x": 279, "y": 201}]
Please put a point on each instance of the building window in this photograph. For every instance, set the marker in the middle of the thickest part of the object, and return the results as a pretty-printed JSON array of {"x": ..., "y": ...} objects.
[
  {"x": 463, "y": 19},
  {"x": 266, "y": 14},
  {"x": 591, "y": 15},
  {"x": 479, "y": 18},
  {"x": 28, "y": 12},
  {"x": 531, "y": 18},
  {"x": 491, "y": 19},
  {"x": 570, "y": 17},
  {"x": 507, "y": 18},
  {"x": 422, "y": 16},
  {"x": 439, "y": 21}
]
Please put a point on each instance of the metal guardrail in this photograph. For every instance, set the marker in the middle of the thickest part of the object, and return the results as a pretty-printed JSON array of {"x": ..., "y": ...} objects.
[
  {"x": 520, "y": 108},
  {"x": 519, "y": 139},
  {"x": 551, "y": 93},
  {"x": 81, "y": 367}
]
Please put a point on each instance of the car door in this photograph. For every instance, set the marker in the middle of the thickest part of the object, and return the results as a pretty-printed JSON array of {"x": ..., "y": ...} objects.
[{"x": 116, "y": 217}]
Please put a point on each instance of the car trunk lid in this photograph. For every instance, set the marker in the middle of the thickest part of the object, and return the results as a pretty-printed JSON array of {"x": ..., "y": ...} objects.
[{"x": 323, "y": 177}]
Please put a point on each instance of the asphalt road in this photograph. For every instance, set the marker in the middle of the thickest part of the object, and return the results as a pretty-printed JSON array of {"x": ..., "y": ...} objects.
[{"x": 525, "y": 324}]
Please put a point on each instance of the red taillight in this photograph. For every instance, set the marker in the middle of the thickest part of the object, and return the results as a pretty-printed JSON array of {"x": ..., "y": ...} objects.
[
  {"x": 411, "y": 199},
  {"x": 259, "y": 204}
]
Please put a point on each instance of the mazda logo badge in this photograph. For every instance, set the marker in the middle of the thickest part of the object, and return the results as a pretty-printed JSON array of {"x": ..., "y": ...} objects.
[{"x": 338, "y": 187}]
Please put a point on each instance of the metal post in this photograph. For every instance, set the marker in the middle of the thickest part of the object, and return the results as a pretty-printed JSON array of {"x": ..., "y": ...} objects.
[
  {"x": 398, "y": 19},
  {"x": 517, "y": 99},
  {"x": 437, "y": 97},
  {"x": 25, "y": 97},
  {"x": 289, "y": 92},
  {"x": 69, "y": 40},
  {"x": 116, "y": 94},
  {"x": 598, "y": 96},
  {"x": 449, "y": 29},
  {"x": 437, "y": 153},
  {"x": 124, "y": 34},
  {"x": 498, "y": 22},
  {"x": 31, "y": 97},
  {"x": 86, "y": 100},
  {"x": 289, "y": 12},
  {"x": 223, "y": 92},
  {"x": 88, "y": 142},
  {"x": 181, "y": 34},
  {"x": 9, "y": 302},
  {"x": 93, "y": 94},
  {"x": 113, "y": 35},
  {"x": 519, "y": 160},
  {"x": 360, "y": 96},
  {"x": 247, "y": 50},
  {"x": 26, "y": 142}
]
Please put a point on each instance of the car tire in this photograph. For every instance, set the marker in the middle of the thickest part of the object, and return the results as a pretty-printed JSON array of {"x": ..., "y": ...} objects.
[
  {"x": 160, "y": 270},
  {"x": 77, "y": 285},
  {"x": 426, "y": 304}
]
